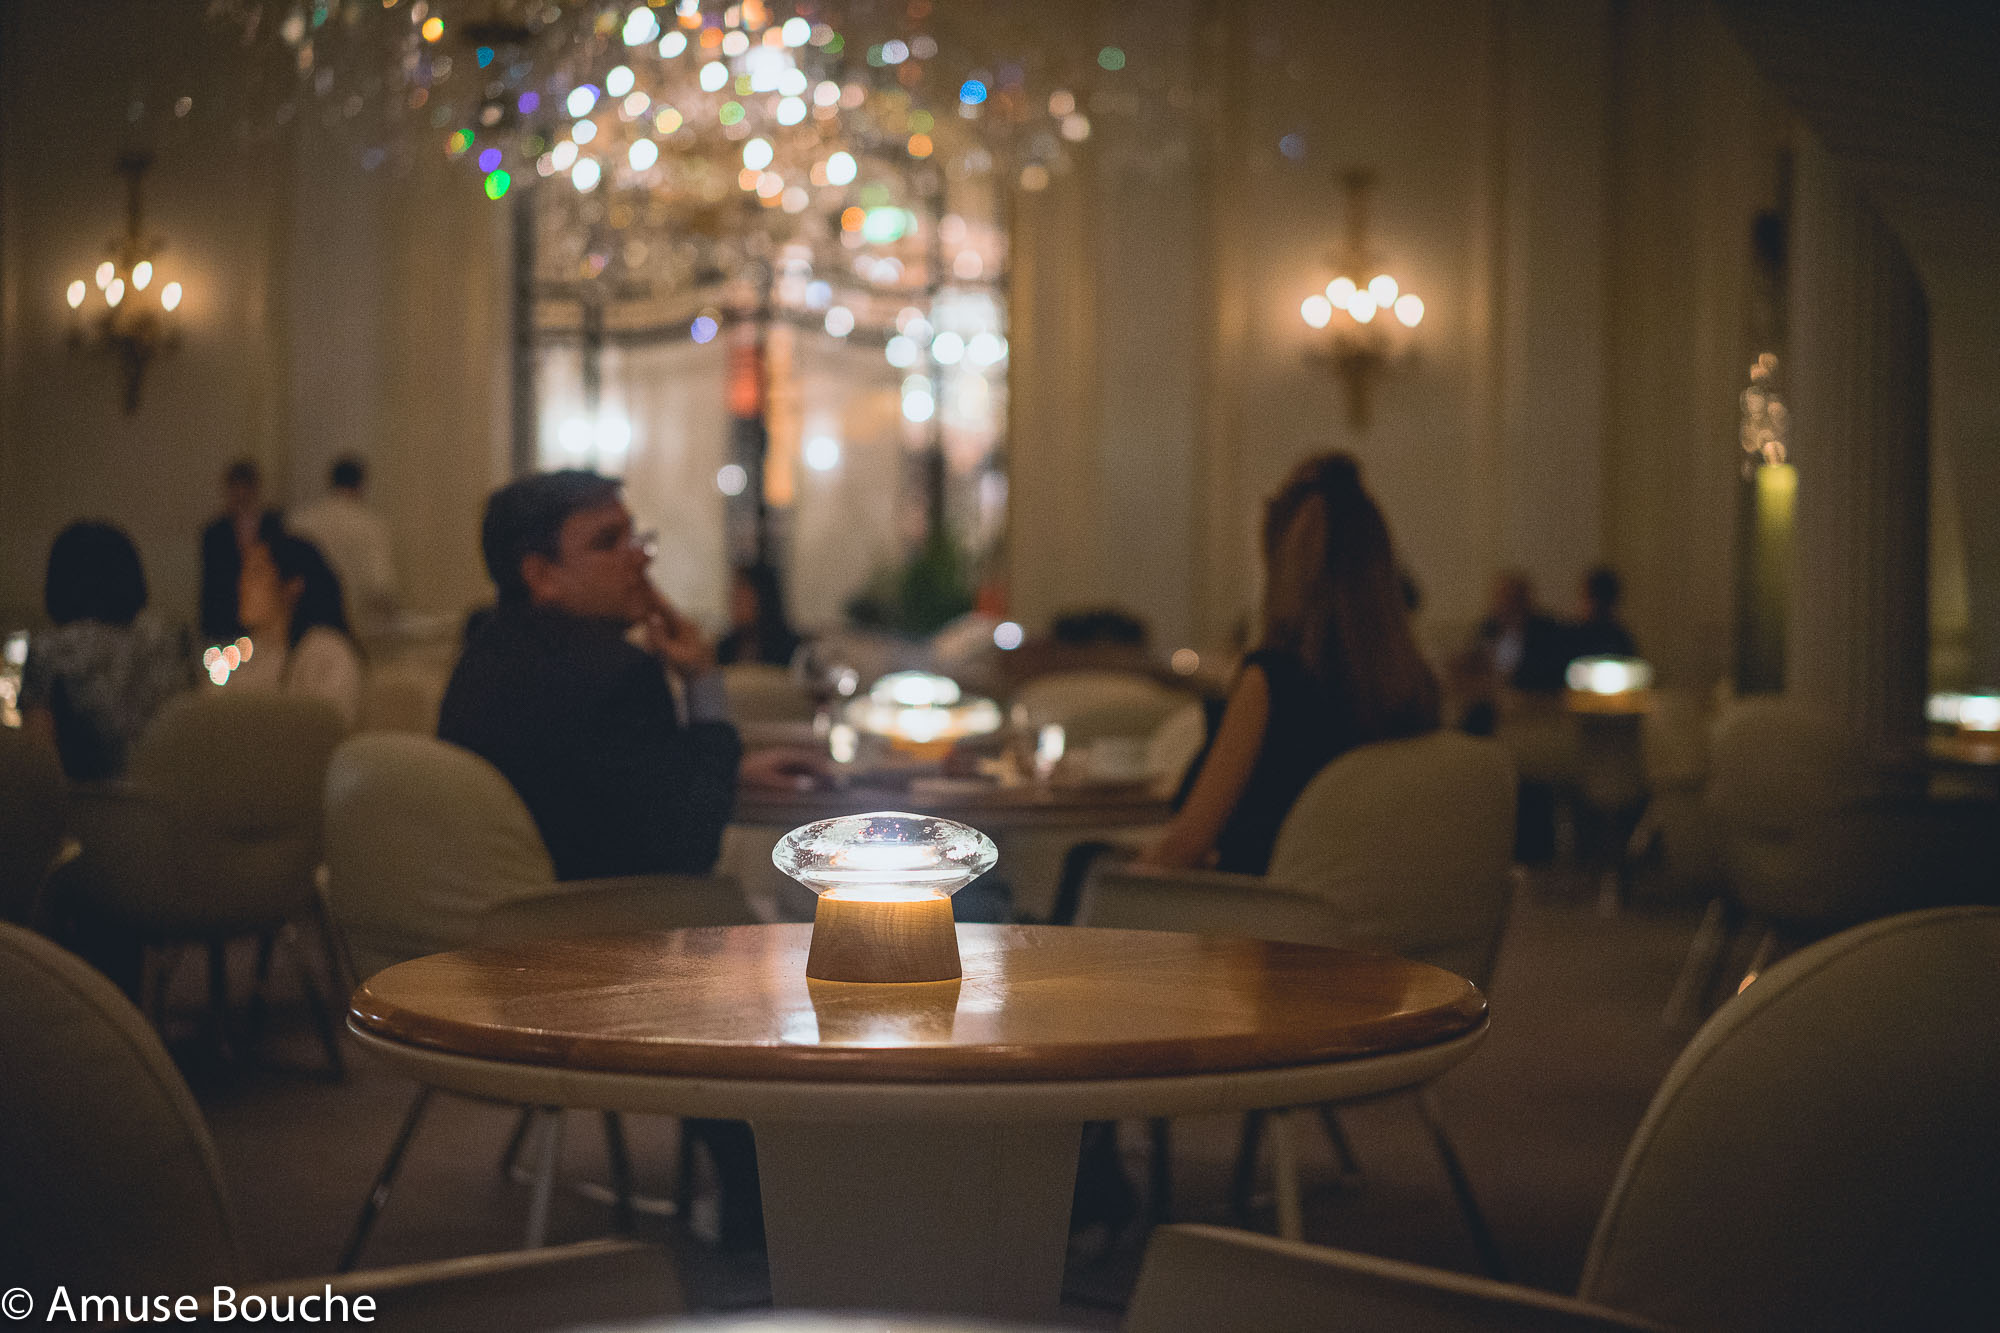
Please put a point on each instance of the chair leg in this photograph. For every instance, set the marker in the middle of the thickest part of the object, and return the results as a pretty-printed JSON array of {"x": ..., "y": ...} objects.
[
  {"x": 1697, "y": 975},
  {"x": 620, "y": 1166},
  {"x": 385, "y": 1179},
  {"x": 1160, "y": 1172},
  {"x": 317, "y": 1006},
  {"x": 1336, "y": 1134},
  {"x": 1244, "y": 1179},
  {"x": 1461, "y": 1188},
  {"x": 1285, "y": 1175},
  {"x": 1760, "y": 958},
  {"x": 547, "y": 1156},
  {"x": 511, "y": 1154}
]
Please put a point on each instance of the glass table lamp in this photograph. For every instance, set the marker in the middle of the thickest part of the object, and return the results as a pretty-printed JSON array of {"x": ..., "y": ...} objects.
[
  {"x": 921, "y": 713},
  {"x": 884, "y": 882}
]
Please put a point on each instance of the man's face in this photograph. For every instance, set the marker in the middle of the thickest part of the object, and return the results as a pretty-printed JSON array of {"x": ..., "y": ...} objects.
[{"x": 599, "y": 572}]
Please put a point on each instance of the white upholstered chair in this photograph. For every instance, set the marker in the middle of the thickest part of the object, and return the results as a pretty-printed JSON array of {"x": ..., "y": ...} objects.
[
  {"x": 1092, "y": 704},
  {"x": 1821, "y": 1156},
  {"x": 429, "y": 848},
  {"x": 214, "y": 833},
  {"x": 111, "y": 1186},
  {"x": 1401, "y": 847}
]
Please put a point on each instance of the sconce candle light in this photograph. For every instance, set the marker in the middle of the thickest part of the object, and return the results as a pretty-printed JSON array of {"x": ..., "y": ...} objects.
[
  {"x": 127, "y": 307},
  {"x": 884, "y": 882},
  {"x": 1364, "y": 307}
]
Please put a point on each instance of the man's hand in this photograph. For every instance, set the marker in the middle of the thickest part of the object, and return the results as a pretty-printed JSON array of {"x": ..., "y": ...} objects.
[
  {"x": 784, "y": 767},
  {"x": 675, "y": 639}
]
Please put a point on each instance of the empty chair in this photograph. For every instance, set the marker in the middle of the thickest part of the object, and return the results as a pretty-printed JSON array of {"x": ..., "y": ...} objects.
[
  {"x": 429, "y": 848},
  {"x": 1820, "y": 1156},
  {"x": 1088, "y": 705},
  {"x": 1812, "y": 843},
  {"x": 215, "y": 833},
  {"x": 111, "y": 1184},
  {"x": 1399, "y": 847},
  {"x": 31, "y": 822}
]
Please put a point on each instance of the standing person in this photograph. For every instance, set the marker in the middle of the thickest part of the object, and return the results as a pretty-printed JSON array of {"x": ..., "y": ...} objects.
[
  {"x": 91, "y": 684},
  {"x": 243, "y": 523},
  {"x": 759, "y": 630},
  {"x": 1338, "y": 667},
  {"x": 355, "y": 542},
  {"x": 292, "y": 607}
]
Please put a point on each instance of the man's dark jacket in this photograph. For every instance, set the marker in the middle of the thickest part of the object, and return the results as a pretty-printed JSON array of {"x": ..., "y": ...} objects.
[{"x": 584, "y": 725}]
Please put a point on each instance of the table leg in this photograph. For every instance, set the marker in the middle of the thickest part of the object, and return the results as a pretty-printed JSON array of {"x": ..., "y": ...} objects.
[{"x": 969, "y": 1219}]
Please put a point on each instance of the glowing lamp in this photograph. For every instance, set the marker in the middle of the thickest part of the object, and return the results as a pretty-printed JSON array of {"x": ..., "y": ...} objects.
[
  {"x": 1966, "y": 712},
  {"x": 884, "y": 882},
  {"x": 1609, "y": 675},
  {"x": 922, "y": 713}
]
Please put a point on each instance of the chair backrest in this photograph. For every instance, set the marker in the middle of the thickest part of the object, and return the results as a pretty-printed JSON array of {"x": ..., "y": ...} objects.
[
  {"x": 217, "y": 826},
  {"x": 1412, "y": 842},
  {"x": 1200, "y": 1279},
  {"x": 1805, "y": 837},
  {"x": 109, "y": 1182},
  {"x": 31, "y": 821},
  {"x": 1823, "y": 1153},
  {"x": 759, "y": 692},
  {"x": 422, "y": 839},
  {"x": 1091, "y": 704},
  {"x": 1174, "y": 744}
]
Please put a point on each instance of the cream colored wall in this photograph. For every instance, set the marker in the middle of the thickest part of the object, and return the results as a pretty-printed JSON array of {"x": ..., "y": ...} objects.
[
  {"x": 1569, "y": 186},
  {"x": 327, "y": 310}
]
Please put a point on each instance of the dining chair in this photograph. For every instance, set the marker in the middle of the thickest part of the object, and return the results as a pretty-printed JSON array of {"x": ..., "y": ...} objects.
[
  {"x": 111, "y": 1185},
  {"x": 1813, "y": 842},
  {"x": 1089, "y": 705},
  {"x": 1819, "y": 1156},
  {"x": 214, "y": 834},
  {"x": 1399, "y": 847},
  {"x": 429, "y": 848},
  {"x": 31, "y": 823},
  {"x": 759, "y": 693}
]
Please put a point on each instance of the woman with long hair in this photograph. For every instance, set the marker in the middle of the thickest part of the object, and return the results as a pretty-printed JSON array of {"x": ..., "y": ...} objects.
[
  {"x": 291, "y": 604},
  {"x": 1338, "y": 667}
]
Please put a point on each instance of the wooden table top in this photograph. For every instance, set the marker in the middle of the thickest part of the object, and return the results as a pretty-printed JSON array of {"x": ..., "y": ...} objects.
[
  {"x": 984, "y": 805},
  {"x": 1036, "y": 1003}
]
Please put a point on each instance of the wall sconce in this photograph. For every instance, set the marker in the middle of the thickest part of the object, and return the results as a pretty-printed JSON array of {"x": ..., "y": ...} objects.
[
  {"x": 884, "y": 882},
  {"x": 126, "y": 308},
  {"x": 1364, "y": 308}
]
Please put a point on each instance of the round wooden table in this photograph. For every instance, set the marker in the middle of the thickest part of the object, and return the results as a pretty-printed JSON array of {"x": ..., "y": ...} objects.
[{"x": 917, "y": 1144}]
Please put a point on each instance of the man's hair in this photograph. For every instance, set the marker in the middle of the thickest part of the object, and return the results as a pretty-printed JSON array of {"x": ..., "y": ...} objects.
[
  {"x": 528, "y": 515},
  {"x": 1602, "y": 586},
  {"x": 243, "y": 472},
  {"x": 94, "y": 574},
  {"x": 347, "y": 473}
]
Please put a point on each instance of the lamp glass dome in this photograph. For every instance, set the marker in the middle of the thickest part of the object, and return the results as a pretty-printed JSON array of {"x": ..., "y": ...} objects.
[{"x": 885, "y": 856}]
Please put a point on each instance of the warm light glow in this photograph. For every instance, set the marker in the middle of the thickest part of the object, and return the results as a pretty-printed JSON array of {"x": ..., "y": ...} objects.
[
  {"x": 947, "y": 349},
  {"x": 170, "y": 297},
  {"x": 1340, "y": 291},
  {"x": 1979, "y": 712},
  {"x": 433, "y": 29},
  {"x": 843, "y": 743},
  {"x": 640, "y": 27},
  {"x": 885, "y": 857},
  {"x": 563, "y": 156},
  {"x": 757, "y": 154},
  {"x": 1383, "y": 288},
  {"x": 77, "y": 291},
  {"x": 115, "y": 292},
  {"x": 142, "y": 275},
  {"x": 1609, "y": 675},
  {"x": 1185, "y": 661},
  {"x": 105, "y": 273},
  {"x": 643, "y": 154},
  {"x": 583, "y": 131},
  {"x": 673, "y": 44},
  {"x": 1007, "y": 636},
  {"x": 839, "y": 321},
  {"x": 1410, "y": 309},
  {"x": 585, "y": 175},
  {"x": 1316, "y": 311},
  {"x": 731, "y": 479},
  {"x": 1362, "y": 307},
  {"x": 581, "y": 99},
  {"x": 901, "y": 352},
  {"x": 822, "y": 453},
  {"x": 1051, "y": 743},
  {"x": 713, "y": 76},
  {"x": 915, "y": 689},
  {"x": 796, "y": 32}
]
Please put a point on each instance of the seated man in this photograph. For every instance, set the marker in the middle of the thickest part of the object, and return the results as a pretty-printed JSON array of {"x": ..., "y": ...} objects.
[
  {"x": 581, "y": 722},
  {"x": 584, "y": 725}
]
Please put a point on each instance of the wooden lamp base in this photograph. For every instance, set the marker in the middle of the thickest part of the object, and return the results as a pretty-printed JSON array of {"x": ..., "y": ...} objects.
[{"x": 854, "y": 940}]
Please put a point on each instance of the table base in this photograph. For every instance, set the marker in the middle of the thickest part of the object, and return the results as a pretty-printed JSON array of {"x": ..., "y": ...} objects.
[{"x": 958, "y": 1218}]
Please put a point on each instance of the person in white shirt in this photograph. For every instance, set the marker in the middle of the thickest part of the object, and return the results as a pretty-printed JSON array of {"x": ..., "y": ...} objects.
[
  {"x": 291, "y": 604},
  {"x": 355, "y": 541}
]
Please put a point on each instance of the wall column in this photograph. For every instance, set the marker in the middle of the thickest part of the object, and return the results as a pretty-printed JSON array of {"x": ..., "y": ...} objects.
[{"x": 1858, "y": 643}]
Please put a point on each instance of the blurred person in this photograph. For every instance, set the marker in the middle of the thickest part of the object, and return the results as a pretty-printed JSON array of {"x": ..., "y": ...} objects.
[
  {"x": 291, "y": 604},
  {"x": 355, "y": 541},
  {"x": 1338, "y": 667},
  {"x": 1516, "y": 647},
  {"x": 1600, "y": 633},
  {"x": 92, "y": 683},
  {"x": 243, "y": 523},
  {"x": 759, "y": 630}
]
